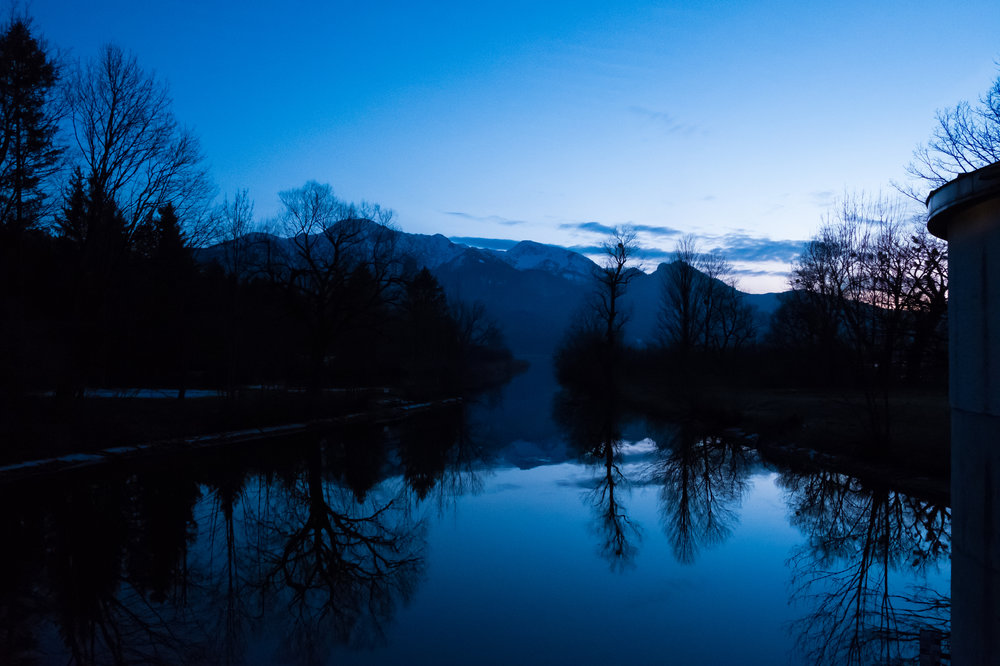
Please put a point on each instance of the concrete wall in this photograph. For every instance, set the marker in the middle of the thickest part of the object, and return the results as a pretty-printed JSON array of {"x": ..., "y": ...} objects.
[{"x": 967, "y": 213}]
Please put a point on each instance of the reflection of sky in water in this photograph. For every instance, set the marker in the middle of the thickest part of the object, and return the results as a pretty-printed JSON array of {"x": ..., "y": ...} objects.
[{"x": 513, "y": 576}]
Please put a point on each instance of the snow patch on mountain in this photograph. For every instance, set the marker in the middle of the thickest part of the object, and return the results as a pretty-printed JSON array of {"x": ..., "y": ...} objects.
[
  {"x": 529, "y": 255},
  {"x": 430, "y": 251}
]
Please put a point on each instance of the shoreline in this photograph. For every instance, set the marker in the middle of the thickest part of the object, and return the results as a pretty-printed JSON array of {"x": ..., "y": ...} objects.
[{"x": 14, "y": 473}]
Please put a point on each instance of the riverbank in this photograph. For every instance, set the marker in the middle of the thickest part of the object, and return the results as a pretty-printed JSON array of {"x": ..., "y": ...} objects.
[
  {"x": 42, "y": 427},
  {"x": 834, "y": 423},
  {"x": 382, "y": 411}
]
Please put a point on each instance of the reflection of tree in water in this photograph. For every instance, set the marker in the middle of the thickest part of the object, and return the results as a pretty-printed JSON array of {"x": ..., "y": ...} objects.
[
  {"x": 296, "y": 563},
  {"x": 356, "y": 457},
  {"x": 235, "y": 608},
  {"x": 340, "y": 566},
  {"x": 703, "y": 480},
  {"x": 327, "y": 549},
  {"x": 102, "y": 577},
  {"x": 857, "y": 536},
  {"x": 612, "y": 524},
  {"x": 21, "y": 566},
  {"x": 287, "y": 560},
  {"x": 593, "y": 428},
  {"x": 441, "y": 459}
]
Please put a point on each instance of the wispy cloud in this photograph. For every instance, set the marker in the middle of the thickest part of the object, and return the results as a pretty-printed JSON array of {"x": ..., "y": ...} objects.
[
  {"x": 587, "y": 249},
  {"x": 495, "y": 219},
  {"x": 486, "y": 243},
  {"x": 751, "y": 273},
  {"x": 822, "y": 197},
  {"x": 743, "y": 247},
  {"x": 593, "y": 227},
  {"x": 739, "y": 246},
  {"x": 606, "y": 229},
  {"x": 662, "y": 232},
  {"x": 651, "y": 256},
  {"x": 656, "y": 255},
  {"x": 666, "y": 121}
]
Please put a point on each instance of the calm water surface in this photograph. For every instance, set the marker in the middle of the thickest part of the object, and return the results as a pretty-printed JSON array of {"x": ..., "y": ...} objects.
[{"x": 522, "y": 530}]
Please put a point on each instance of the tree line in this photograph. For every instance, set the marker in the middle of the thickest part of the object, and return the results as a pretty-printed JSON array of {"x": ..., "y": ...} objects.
[
  {"x": 106, "y": 207},
  {"x": 868, "y": 295},
  {"x": 866, "y": 310},
  {"x": 867, "y": 305}
]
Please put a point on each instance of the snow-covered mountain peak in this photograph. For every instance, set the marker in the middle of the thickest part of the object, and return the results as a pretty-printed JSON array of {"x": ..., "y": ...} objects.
[
  {"x": 430, "y": 251},
  {"x": 529, "y": 255}
]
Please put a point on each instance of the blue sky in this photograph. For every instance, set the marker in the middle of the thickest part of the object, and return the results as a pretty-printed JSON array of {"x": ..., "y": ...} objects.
[{"x": 736, "y": 121}]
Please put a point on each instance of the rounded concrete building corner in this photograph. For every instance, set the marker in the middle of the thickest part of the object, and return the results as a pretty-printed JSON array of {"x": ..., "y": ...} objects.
[{"x": 965, "y": 192}]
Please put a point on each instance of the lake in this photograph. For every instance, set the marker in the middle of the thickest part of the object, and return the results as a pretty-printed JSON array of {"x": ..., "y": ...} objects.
[{"x": 522, "y": 528}]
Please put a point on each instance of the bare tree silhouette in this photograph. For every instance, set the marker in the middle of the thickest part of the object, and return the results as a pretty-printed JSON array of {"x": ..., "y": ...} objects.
[
  {"x": 341, "y": 266},
  {"x": 856, "y": 536},
  {"x": 592, "y": 424},
  {"x": 703, "y": 480}
]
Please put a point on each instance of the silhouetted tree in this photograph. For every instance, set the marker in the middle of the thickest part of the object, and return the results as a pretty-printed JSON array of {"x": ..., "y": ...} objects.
[
  {"x": 71, "y": 221},
  {"x": 430, "y": 335},
  {"x": 96, "y": 230},
  {"x": 425, "y": 300},
  {"x": 29, "y": 119},
  {"x": 591, "y": 349},
  {"x": 29, "y": 155},
  {"x": 613, "y": 278},
  {"x": 701, "y": 308},
  {"x": 129, "y": 143},
  {"x": 171, "y": 278},
  {"x": 476, "y": 329},
  {"x": 682, "y": 311},
  {"x": 341, "y": 265},
  {"x": 874, "y": 283},
  {"x": 926, "y": 301},
  {"x": 966, "y": 137},
  {"x": 233, "y": 225},
  {"x": 735, "y": 325}
]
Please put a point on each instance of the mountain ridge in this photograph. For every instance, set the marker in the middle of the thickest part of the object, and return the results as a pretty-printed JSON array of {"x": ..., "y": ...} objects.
[{"x": 533, "y": 290}]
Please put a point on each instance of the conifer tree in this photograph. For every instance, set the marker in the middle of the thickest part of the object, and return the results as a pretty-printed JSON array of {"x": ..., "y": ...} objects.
[{"x": 28, "y": 125}]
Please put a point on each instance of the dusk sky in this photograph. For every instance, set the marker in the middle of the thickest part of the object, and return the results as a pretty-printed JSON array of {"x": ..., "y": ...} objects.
[{"x": 738, "y": 121}]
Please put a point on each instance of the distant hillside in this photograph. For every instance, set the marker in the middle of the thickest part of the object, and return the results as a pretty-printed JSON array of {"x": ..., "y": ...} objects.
[
  {"x": 532, "y": 305},
  {"x": 532, "y": 290}
]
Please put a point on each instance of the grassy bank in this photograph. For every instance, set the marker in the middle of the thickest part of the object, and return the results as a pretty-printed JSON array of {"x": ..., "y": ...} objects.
[
  {"x": 835, "y": 422},
  {"x": 34, "y": 427}
]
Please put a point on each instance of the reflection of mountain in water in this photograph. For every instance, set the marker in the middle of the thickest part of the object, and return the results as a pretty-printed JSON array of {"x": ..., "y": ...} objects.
[{"x": 517, "y": 419}]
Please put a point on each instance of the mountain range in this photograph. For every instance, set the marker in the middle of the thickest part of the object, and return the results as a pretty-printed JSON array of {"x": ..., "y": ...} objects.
[{"x": 532, "y": 290}]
